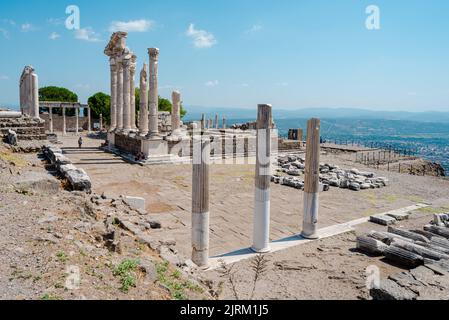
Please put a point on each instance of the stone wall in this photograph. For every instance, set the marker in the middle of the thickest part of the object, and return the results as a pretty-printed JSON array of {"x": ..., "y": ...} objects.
[
  {"x": 70, "y": 122},
  {"x": 25, "y": 127},
  {"x": 127, "y": 144}
]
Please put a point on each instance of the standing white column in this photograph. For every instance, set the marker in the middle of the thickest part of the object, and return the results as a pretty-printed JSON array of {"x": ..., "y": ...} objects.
[
  {"x": 176, "y": 113},
  {"x": 261, "y": 234},
  {"x": 76, "y": 120},
  {"x": 64, "y": 125},
  {"x": 34, "y": 107},
  {"x": 88, "y": 121},
  {"x": 143, "y": 119},
  {"x": 200, "y": 200},
  {"x": 216, "y": 122},
  {"x": 133, "y": 92},
  {"x": 311, "y": 180},
  {"x": 119, "y": 110},
  {"x": 154, "y": 98},
  {"x": 224, "y": 123},
  {"x": 101, "y": 122},
  {"x": 50, "y": 116},
  {"x": 203, "y": 122},
  {"x": 126, "y": 93},
  {"x": 114, "y": 76}
]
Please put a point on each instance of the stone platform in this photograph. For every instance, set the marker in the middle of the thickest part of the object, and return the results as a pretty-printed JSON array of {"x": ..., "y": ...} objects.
[{"x": 27, "y": 128}]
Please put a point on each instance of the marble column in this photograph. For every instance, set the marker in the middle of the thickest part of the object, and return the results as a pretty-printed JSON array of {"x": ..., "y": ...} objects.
[
  {"x": 119, "y": 110},
  {"x": 34, "y": 107},
  {"x": 203, "y": 122},
  {"x": 224, "y": 123},
  {"x": 127, "y": 93},
  {"x": 216, "y": 121},
  {"x": 77, "y": 120},
  {"x": 50, "y": 116},
  {"x": 114, "y": 77},
  {"x": 153, "y": 98},
  {"x": 176, "y": 113},
  {"x": 143, "y": 119},
  {"x": 64, "y": 125},
  {"x": 101, "y": 122},
  {"x": 133, "y": 92},
  {"x": 88, "y": 121}
]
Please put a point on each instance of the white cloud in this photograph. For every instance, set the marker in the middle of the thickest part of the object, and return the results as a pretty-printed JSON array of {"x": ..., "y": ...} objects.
[
  {"x": 87, "y": 34},
  {"x": 201, "y": 38},
  {"x": 282, "y": 84},
  {"x": 254, "y": 28},
  {"x": 212, "y": 83},
  {"x": 141, "y": 25},
  {"x": 3, "y": 77},
  {"x": 26, "y": 27},
  {"x": 8, "y": 21},
  {"x": 82, "y": 86},
  {"x": 4, "y": 32},
  {"x": 54, "y": 36},
  {"x": 56, "y": 21}
]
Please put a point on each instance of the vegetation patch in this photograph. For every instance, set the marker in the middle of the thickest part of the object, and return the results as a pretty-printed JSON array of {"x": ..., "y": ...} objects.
[
  {"x": 174, "y": 282},
  {"x": 126, "y": 270}
]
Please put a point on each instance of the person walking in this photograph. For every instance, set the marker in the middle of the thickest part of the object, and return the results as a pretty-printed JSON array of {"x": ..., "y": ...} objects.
[{"x": 80, "y": 142}]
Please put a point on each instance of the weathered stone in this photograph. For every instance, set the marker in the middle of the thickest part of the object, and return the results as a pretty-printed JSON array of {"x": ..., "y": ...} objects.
[
  {"x": 390, "y": 290},
  {"x": 382, "y": 219},
  {"x": 155, "y": 224},
  {"x": 31, "y": 181},
  {"x": 12, "y": 137},
  {"x": 135, "y": 202},
  {"x": 79, "y": 180},
  {"x": 354, "y": 186}
]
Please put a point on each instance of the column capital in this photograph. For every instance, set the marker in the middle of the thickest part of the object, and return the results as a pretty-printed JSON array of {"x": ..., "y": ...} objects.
[{"x": 154, "y": 53}]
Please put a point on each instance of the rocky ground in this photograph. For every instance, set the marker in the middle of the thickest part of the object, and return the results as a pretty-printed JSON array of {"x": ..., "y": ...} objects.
[
  {"x": 57, "y": 244},
  {"x": 48, "y": 235}
]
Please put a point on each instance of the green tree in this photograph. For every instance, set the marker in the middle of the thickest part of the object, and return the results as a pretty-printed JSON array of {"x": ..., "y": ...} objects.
[
  {"x": 100, "y": 103},
  {"x": 164, "y": 104},
  {"x": 59, "y": 94}
]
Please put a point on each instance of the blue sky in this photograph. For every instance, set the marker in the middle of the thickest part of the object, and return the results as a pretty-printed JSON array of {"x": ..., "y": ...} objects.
[{"x": 292, "y": 54}]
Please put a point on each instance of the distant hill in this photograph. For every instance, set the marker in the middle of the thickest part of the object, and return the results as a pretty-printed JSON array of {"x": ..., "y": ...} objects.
[{"x": 195, "y": 112}]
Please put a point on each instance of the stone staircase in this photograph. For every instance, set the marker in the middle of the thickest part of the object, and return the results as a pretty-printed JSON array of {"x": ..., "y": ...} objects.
[{"x": 26, "y": 128}]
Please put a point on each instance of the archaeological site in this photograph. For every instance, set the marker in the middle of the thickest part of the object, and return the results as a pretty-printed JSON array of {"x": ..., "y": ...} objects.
[{"x": 128, "y": 190}]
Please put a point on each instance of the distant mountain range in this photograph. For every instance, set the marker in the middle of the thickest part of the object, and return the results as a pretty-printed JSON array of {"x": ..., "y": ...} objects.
[{"x": 195, "y": 112}]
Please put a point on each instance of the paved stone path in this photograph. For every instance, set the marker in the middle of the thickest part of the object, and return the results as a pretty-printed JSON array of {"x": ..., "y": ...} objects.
[{"x": 167, "y": 190}]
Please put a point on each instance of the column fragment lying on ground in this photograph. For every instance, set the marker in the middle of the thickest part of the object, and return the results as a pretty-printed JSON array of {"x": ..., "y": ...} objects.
[
  {"x": 261, "y": 231},
  {"x": 200, "y": 200},
  {"x": 311, "y": 180}
]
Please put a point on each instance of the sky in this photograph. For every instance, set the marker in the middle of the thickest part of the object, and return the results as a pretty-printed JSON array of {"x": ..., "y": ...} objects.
[{"x": 238, "y": 53}]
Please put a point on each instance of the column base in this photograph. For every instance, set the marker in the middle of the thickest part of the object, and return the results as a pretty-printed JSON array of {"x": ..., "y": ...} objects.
[{"x": 263, "y": 250}]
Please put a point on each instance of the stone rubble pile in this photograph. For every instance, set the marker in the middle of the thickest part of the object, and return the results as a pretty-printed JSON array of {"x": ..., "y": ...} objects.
[
  {"x": 330, "y": 175},
  {"x": 77, "y": 178},
  {"x": 425, "y": 251}
]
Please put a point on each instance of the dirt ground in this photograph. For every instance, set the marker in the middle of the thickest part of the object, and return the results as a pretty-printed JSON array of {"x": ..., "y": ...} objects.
[{"x": 324, "y": 269}]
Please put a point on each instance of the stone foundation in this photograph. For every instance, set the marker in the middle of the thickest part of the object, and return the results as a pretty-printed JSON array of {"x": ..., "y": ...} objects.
[{"x": 26, "y": 128}]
